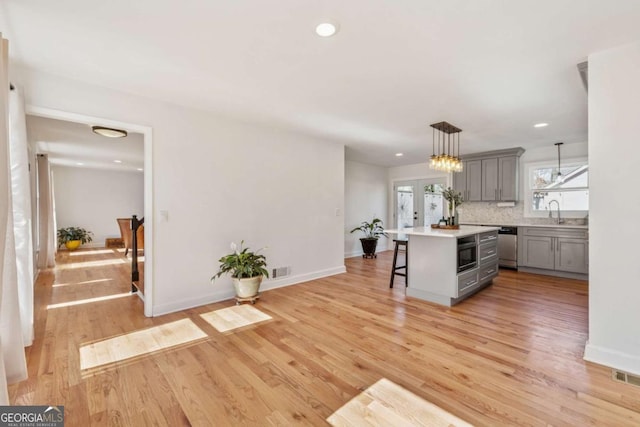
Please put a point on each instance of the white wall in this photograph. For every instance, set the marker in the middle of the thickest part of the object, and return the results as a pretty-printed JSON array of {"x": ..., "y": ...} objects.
[
  {"x": 415, "y": 171},
  {"x": 220, "y": 180},
  {"x": 614, "y": 270},
  {"x": 92, "y": 199},
  {"x": 366, "y": 197}
]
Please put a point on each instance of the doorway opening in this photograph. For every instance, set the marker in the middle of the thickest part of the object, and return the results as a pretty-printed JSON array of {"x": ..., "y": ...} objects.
[
  {"x": 419, "y": 202},
  {"x": 118, "y": 184}
]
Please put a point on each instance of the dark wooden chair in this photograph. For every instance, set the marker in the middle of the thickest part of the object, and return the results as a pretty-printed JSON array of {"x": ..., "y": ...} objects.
[
  {"x": 400, "y": 241},
  {"x": 125, "y": 232}
]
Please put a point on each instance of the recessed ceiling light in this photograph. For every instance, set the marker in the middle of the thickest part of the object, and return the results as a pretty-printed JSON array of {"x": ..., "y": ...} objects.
[
  {"x": 326, "y": 29},
  {"x": 117, "y": 161},
  {"x": 109, "y": 132},
  {"x": 140, "y": 169},
  {"x": 541, "y": 125},
  {"x": 399, "y": 154},
  {"x": 80, "y": 164}
]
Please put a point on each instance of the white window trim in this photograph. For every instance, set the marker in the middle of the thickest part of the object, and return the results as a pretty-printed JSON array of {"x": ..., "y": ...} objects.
[{"x": 528, "y": 191}]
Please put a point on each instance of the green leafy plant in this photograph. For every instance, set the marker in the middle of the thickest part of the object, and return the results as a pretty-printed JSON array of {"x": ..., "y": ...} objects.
[
  {"x": 371, "y": 230},
  {"x": 242, "y": 263},
  {"x": 74, "y": 233},
  {"x": 452, "y": 195}
]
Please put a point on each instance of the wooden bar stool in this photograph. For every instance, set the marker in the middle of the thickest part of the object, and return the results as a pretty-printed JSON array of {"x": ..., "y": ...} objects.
[{"x": 400, "y": 241}]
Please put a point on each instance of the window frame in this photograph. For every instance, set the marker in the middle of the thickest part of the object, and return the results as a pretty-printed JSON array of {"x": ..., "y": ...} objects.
[{"x": 529, "y": 190}]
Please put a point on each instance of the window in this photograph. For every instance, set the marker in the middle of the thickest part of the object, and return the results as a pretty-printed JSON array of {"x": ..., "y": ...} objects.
[{"x": 570, "y": 190}]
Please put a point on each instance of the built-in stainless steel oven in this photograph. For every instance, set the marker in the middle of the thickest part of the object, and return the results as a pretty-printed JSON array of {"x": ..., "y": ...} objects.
[{"x": 467, "y": 253}]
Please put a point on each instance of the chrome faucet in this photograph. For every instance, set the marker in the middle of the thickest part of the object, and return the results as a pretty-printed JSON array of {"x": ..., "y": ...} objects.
[{"x": 560, "y": 220}]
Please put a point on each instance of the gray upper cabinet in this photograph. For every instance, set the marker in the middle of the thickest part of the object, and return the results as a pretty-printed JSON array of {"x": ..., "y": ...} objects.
[
  {"x": 460, "y": 181},
  {"x": 474, "y": 181},
  {"x": 508, "y": 178},
  {"x": 468, "y": 182},
  {"x": 490, "y": 176},
  {"x": 490, "y": 179}
]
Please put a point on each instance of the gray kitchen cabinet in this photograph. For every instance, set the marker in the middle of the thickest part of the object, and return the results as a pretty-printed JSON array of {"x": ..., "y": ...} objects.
[
  {"x": 537, "y": 252},
  {"x": 508, "y": 178},
  {"x": 572, "y": 255},
  {"x": 474, "y": 181},
  {"x": 468, "y": 182},
  {"x": 490, "y": 176},
  {"x": 490, "y": 179},
  {"x": 554, "y": 250},
  {"x": 460, "y": 181}
]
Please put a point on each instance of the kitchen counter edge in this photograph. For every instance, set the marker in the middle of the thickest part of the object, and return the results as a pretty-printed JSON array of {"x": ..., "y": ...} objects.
[{"x": 465, "y": 230}]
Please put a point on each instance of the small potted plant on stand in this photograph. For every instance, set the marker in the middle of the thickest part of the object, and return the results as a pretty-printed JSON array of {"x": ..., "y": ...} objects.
[
  {"x": 73, "y": 237},
  {"x": 372, "y": 232},
  {"x": 246, "y": 269}
]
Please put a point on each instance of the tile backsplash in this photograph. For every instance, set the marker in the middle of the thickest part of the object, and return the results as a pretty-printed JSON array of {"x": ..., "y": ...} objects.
[{"x": 490, "y": 213}]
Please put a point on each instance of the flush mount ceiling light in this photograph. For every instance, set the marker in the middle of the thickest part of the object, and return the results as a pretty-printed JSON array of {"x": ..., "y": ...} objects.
[
  {"x": 326, "y": 29},
  {"x": 447, "y": 160},
  {"x": 109, "y": 132},
  {"x": 399, "y": 154},
  {"x": 541, "y": 125},
  {"x": 117, "y": 161}
]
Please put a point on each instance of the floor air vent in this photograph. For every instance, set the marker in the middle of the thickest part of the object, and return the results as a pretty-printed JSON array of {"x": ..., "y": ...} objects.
[
  {"x": 280, "y": 271},
  {"x": 626, "y": 377}
]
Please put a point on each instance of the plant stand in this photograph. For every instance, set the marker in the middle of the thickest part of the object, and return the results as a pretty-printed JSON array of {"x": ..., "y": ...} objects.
[
  {"x": 253, "y": 299},
  {"x": 369, "y": 256}
]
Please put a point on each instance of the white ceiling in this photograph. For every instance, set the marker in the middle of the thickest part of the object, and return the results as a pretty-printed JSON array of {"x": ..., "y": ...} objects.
[
  {"x": 490, "y": 67},
  {"x": 75, "y": 144}
]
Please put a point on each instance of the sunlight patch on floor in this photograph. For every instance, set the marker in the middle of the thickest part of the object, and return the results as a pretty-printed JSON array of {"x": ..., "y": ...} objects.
[
  {"x": 88, "y": 300},
  {"x": 387, "y": 404},
  {"x": 86, "y": 282},
  {"x": 89, "y": 264},
  {"x": 91, "y": 252},
  {"x": 227, "y": 319},
  {"x": 139, "y": 343}
]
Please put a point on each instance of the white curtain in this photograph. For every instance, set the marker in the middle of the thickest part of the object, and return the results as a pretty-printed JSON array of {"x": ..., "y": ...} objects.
[
  {"x": 47, "y": 247},
  {"x": 21, "y": 199},
  {"x": 12, "y": 361}
]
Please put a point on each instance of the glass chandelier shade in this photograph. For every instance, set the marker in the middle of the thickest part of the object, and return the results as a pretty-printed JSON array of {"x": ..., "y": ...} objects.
[{"x": 447, "y": 138}]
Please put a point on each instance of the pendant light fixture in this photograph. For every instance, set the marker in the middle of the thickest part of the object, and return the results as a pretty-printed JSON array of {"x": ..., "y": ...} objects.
[
  {"x": 446, "y": 158},
  {"x": 559, "y": 177}
]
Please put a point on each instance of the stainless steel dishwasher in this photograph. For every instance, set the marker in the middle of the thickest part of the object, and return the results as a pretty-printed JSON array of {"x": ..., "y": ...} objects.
[{"x": 508, "y": 247}]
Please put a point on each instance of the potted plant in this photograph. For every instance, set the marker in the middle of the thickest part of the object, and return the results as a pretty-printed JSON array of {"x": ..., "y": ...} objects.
[
  {"x": 454, "y": 198},
  {"x": 372, "y": 232},
  {"x": 73, "y": 237},
  {"x": 246, "y": 268}
]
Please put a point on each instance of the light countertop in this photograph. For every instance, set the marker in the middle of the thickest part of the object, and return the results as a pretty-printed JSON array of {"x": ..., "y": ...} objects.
[
  {"x": 465, "y": 230},
  {"x": 582, "y": 227}
]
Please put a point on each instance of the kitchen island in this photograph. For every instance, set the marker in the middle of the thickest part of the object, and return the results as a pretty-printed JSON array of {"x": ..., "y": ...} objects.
[{"x": 447, "y": 266}]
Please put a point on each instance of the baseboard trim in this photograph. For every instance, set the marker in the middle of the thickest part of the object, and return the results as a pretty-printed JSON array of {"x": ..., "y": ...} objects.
[
  {"x": 229, "y": 293},
  {"x": 555, "y": 273},
  {"x": 359, "y": 253},
  {"x": 612, "y": 358}
]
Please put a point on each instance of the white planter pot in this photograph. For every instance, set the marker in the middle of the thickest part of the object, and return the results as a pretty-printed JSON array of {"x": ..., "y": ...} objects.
[{"x": 247, "y": 286}]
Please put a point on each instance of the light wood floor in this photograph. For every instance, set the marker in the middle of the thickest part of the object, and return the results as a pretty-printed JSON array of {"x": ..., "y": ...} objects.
[{"x": 511, "y": 355}]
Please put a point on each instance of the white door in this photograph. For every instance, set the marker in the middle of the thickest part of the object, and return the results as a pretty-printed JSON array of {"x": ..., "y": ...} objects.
[
  {"x": 406, "y": 204},
  {"x": 418, "y": 203}
]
